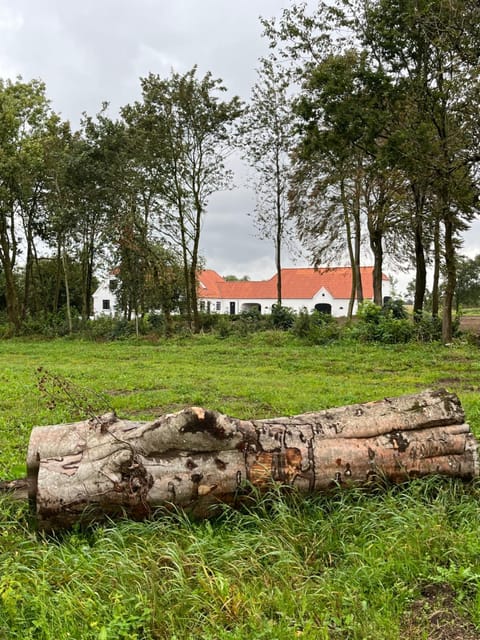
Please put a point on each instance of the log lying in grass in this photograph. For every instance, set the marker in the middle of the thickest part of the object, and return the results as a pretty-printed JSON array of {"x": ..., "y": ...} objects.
[{"x": 196, "y": 458}]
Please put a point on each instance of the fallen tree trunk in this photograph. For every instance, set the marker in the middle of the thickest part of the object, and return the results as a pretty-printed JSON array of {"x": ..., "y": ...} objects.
[{"x": 197, "y": 458}]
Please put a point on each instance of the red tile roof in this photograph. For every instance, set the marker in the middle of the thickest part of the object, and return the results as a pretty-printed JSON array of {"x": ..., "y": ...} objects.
[
  {"x": 297, "y": 284},
  {"x": 209, "y": 282}
]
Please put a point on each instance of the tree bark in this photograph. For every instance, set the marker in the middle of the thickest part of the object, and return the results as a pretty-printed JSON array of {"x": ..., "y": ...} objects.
[{"x": 197, "y": 458}]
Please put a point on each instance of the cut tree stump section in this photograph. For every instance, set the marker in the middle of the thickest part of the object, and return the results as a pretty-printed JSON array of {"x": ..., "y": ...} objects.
[{"x": 197, "y": 458}]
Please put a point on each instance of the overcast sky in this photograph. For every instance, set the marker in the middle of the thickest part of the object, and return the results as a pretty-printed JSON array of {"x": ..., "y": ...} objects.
[{"x": 96, "y": 50}]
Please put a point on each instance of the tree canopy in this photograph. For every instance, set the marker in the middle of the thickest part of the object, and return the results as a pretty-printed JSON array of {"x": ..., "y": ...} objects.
[
  {"x": 388, "y": 87},
  {"x": 362, "y": 131}
]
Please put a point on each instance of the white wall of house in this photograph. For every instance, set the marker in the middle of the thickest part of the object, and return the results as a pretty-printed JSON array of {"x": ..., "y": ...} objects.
[
  {"x": 239, "y": 305},
  {"x": 104, "y": 299},
  {"x": 339, "y": 306},
  {"x": 105, "y": 302}
]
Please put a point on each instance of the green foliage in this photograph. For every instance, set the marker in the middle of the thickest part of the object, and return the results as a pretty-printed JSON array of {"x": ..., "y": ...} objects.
[
  {"x": 208, "y": 321},
  {"x": 369, "y": 312},
  {"x": 180, "y": 133},
  {"x": 109, "y": 328},
  {"x": 50, "y": 325},
  {"x": 316, "y": 328},
  {"x": 48, "y": 295},
  {"x": 393, "y": 330},
  {"x": 24, "y": 117},
  {"x": 427, "y": 328},
  {"x": 282, "y": 317},
  {"x": 395, "y": 308},
  {"x": 224, "y": 326},
  {"x": 388, "y": 324},
  {"x": 156, "y": 322},
  {"x": 467, "y": 291}
]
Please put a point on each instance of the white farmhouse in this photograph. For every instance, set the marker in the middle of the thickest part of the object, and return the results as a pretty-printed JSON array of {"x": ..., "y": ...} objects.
[{"x": 326, "y": 290}]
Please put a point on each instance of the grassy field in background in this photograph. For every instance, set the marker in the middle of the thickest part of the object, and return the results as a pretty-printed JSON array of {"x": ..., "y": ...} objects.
[{"x": 350, "y": 566}]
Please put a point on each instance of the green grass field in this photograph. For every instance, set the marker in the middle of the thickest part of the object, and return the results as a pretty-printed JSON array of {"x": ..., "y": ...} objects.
[{"x": 401, "y": 563}]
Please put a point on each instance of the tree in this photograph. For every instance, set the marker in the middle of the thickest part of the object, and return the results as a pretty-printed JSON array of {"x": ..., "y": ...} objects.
[
  {"x": 24, "y": 112},
  {"x": 346, "y": 107},
  {"x": 165, "y": 286},
  {"x": 61, "y": 150},
  {"x": 150, "y": 275},
  {"x": 52, "y": 297},
  {"x": 326, "y": 205},
  {"x": 266, "y": 138},
  {"x": 187, "y": 130},
  {"x": 233, "y": 278},
  {"x": 434, "y": 45},
  {"x": 94, "y": 183},
  {"x": 427, "y": 51},
  {"x": 80, "y": 187},
  {"x": 467, "y": 291}
]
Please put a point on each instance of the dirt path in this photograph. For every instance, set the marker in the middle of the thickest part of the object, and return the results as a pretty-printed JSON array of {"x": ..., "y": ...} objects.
[{"x": 470, "y": 323}]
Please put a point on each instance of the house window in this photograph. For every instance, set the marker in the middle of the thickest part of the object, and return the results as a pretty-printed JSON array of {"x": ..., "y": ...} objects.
[
  {"x": 113, "y": 284},
  {"x": 202, "y": 305},
  {"x": 106, "y": 305},
  {"x": 218, "y": 305}
]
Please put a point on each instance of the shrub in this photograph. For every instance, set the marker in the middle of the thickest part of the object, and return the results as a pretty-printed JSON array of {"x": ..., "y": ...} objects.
[
  {"x": 427, "y": 328},
  {"x": 302, "y": 325},
  {"x": 247, "y": 322},
  {"x": 224, "y": 327},
  {"x": 395, "y": 308},
  {"x": 6, "y": 330},
  {"x": 282, "y": 317},
  {"x": 208, "y": 321},
  {"x": 369, "y": 312},
  {"x": 316, "y": 328},
  {"x": 394, "y": 330},
  {"x": 50, "y": 325},
  {"x": 155, "y": 322},
  {"x": 108, "y": 328},
  {"x": 388, "y": 325}
]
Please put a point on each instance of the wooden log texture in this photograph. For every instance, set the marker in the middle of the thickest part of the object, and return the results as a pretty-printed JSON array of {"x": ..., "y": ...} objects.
[{"x": 196, "y": 458}]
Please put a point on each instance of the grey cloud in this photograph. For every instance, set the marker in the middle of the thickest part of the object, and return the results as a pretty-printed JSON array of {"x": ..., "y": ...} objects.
[{"x": 95, "y": 50}]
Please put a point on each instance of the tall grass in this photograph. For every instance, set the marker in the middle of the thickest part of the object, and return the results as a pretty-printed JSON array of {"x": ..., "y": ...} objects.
[{"x": 341, "y": 566}]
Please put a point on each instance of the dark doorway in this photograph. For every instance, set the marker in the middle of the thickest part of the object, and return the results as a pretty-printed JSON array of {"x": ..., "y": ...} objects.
[
  {"x": 323, "y": 307},
  {"x": 232, "y": 308}
]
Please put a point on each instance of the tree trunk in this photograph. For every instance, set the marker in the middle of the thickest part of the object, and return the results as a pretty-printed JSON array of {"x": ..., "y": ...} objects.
[
  {"x": 11, "y": 295},
  {"x": 351, "y": 252},
  {"x": 67, "y": 292},
  {"x": 197, "y": 458},
  {"x": 376, "y": 238},
  {"x": 278, "y": 227},
  {"x": 450, "y": 280},
  {"x": 420, "y": 266},
  {"x": 436, "y": 268}
]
